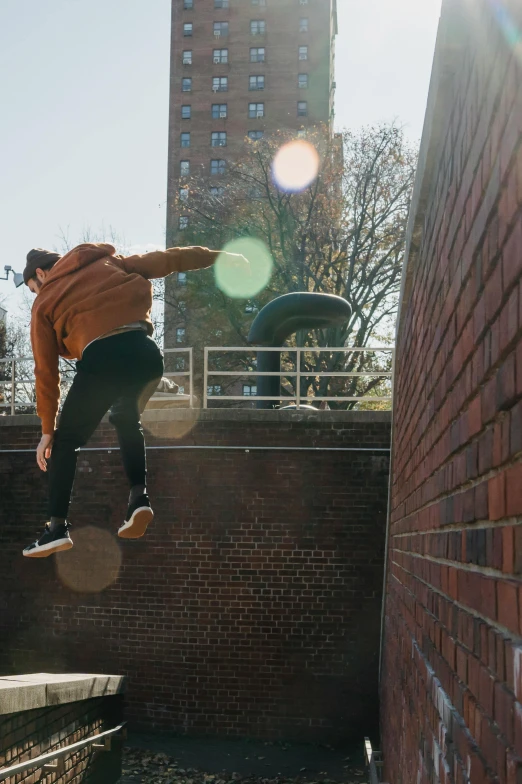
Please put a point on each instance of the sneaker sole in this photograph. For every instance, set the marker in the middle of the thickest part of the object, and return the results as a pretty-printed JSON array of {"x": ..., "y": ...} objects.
[
  {"x": 45, "y": 553},
  {"x": 137, "y": 526}
]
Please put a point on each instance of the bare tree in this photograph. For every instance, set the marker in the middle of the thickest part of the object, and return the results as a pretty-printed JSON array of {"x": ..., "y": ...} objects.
[
  {"x": 343, "y": 235},
  {"x": 15, "y": 345}
]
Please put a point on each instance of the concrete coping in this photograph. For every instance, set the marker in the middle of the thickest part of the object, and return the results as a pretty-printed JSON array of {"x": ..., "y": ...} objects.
[
  {"x": 153, "y": 415},
  {"x": 42, "y": 689}
]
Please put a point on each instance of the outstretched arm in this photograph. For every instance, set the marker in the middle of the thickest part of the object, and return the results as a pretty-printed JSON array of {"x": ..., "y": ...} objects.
[{"x": 160, "y": 263}]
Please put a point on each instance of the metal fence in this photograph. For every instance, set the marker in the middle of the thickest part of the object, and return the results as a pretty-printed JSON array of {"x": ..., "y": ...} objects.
[
  {"x": 214, "y": 392},
  {"x": 183, "y": 369},
  {"x": 17, "y": 381},
  {"x": 233, "y": 365}
]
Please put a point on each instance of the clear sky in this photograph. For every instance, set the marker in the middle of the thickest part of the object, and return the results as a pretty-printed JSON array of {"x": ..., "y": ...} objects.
[{"x": 84, "y": 97}]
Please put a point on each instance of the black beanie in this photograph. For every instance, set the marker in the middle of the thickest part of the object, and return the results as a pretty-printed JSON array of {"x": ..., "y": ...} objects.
[{"x": 38, "y": 258}]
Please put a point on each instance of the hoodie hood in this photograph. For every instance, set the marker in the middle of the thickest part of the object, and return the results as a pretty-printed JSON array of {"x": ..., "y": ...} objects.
[{"x": 79, "y": 257}]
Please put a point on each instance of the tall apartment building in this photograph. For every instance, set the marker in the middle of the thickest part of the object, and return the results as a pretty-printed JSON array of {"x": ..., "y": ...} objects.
[{"x": 239, "y": 68}]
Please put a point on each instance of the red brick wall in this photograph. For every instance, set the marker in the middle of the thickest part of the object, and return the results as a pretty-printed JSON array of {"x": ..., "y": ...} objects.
[
  {"x": 25, "y": 735},
  {"x": 452, "y": 678},
  {"x": 251, "y": 608}
]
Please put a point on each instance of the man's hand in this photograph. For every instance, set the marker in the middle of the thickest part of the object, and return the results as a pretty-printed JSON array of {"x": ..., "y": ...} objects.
[{"x": 43, "y": 451}]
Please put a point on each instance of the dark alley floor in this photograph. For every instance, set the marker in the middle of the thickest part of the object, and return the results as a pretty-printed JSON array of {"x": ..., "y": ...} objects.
[{"x": 153, "y": 759}]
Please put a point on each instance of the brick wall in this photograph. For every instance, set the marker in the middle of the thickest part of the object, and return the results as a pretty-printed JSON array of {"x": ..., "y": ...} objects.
[
  {"x": 27, "y": 734},
  {"x": 452, "y": 679},
  {"x": 252, "y": 606}
]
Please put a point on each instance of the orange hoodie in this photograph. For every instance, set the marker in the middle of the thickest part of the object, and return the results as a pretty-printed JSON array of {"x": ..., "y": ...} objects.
[{"x": 89, "y": 292}]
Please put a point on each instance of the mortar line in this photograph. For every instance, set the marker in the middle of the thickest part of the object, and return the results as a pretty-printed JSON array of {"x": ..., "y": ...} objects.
[
  {"x": 470, "y": 484},
  {"x": 515, "y": 638},
  {"x": 232, "y": 448},
  {"x": 485, "y": 571},
  {"x": 474, "y": 525}
]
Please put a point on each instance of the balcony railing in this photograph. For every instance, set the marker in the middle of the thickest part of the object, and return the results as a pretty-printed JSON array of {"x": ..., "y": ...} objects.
[
  {"x": 353, "y": 377},
  {"x": 295, "y": 378},
  {"x": 17, "y": 381}
]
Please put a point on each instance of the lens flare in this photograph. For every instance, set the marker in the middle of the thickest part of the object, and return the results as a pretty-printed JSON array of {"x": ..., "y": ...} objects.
[
  {"x": 166, "y": 421},
  {"x": 94, "y": 562},
  {"x": 245, "y": 274},
  {"x": 295, "y": 166},
  {"x": 509, "y": 27}
]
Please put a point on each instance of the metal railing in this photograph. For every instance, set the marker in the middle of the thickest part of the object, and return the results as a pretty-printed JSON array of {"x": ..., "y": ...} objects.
[
  {"x": 54, "y": 760},
  {"x": 17, "y": 382},
  {"x": 17, "y": 388},
  {"x": 177, "y": 374},
  {"x": 373, "y": 761},
  {"x": 17, "y": 385},
  {"x": 298, "y": 373}
]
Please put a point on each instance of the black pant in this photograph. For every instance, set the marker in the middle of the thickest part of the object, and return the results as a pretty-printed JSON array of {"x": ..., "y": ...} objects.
[{"x": 119, "y": 373}]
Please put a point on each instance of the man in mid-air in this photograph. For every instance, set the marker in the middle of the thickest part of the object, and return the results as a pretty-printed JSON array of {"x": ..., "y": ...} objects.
[{"x": 94, "y": 306}]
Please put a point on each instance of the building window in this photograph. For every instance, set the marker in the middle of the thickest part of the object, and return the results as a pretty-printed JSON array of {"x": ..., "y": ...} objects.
[
  {"x": 220, "y": 84},
  {"x": 187, "y": 57},
  {"x": 258, "y": 27},
  {"x": 218, "y": 166},
  {"x": 185, "y": 140},
  {"x": 249, "y": 390},
  {"x": 303, "y": 53},
  {"x": 220, "y": 56},
  {"x": 301, "y": 133},
  {"x": 259, "y": 3},
  {"x": 183, "y": 194},
  {"x": 182, "y": 306},
  {"x": 184, "y": 168},
  {"x": 256, "y": 83},
  {"x": 303, "y": 2},
  {"x": 302, "y": 109},
  {"x": 188, "y": 5},
  {"x": 219, "y": 111},
  {"x": 257, "y": 54},
  {"x": 183, "y": 222},
  {"x": 186, "y": 84},
  {"x": 220, "y": 29},
  {"x": 187, "y": 30},
  {"x": 186, "y": 112},
  {"x": 256, "y": 110},
  {"x": 182, "y": 278},
  {"x": 218, "y": 139},
  {"x": 303, "y": 24},
  {"x": 214, "y": 389},
  {"x": 303, "y": 81},
  {"x": 180, "y": 335},
  {"x": 217, "y": 191},
  {"x": 255, "y": 135},
  {"x": 220, "y": 3}
]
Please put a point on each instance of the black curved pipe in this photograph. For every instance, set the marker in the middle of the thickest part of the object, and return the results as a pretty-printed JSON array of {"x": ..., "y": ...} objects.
[{"x": 283, "y": 317}]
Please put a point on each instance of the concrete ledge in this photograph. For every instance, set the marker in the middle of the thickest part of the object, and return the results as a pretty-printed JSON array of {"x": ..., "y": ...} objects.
[
  {"x": 20, "y": 420},
  {"x": 230, "y": 415},
  {"x": 40, "y": 690}
]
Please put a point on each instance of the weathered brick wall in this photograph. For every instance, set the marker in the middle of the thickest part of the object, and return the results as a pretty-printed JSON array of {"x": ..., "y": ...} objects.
[
  {"x": 27, "y": 734},
  {"x": 251, "y": 607},
  {"x": 452, "y": 679}
]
